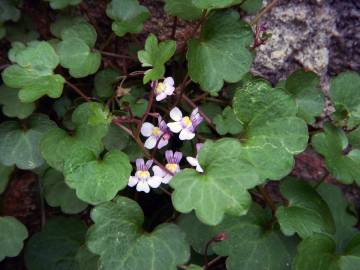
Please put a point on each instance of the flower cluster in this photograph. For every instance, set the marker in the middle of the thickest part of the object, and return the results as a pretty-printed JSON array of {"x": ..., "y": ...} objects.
[{"x": 159, "y": 136}]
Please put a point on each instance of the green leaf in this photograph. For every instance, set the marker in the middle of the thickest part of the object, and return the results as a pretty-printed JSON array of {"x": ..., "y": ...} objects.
[
  {"x": 156, "y": 55},
  {"x": 221, "y": 53},
  {"x": 12, "y": 106},
  {"x": 184, "y": 9},
  {"x": 306, "y": 213},
  {"x": 97, "y": 181},
  {"x": 64, "y": 22},
  {"x": 319, "y": 253},
  {"x": 272, "y": 132},
  {"x": 227, "y": 122},
  {"x": 56, "y": 246},
  {"x": 128, "y": 16},
  {"x": 249, "y": 243},
  {"x": 23, "y": 31},
  {"x": 212, "y": 4},
  {"x": 5, "y": 172},
  {"x": 116, "y": 138},
  {"x": 58, "y": 194},
  {"x": 344, "y": 93},
  {"x": 194, "y": 267},
  {"x": 12, "y": 235},
  {"x": 138, "y": 106},
  {"x": 222, "y": 188},
  {"x": 57, "y": 144},
  {"x": 344, "y": 221},
  {"x": 118, "y": 238},
  {"x": 331, "y": 143},
  {"x": 61, "y": 4},
  {"x": 9, "y": 11},
  {"x": 75, "y": 50},
  {"x": 33, "y": 73},
  {"x": 305, "y": 88},
  {"x": 104, "y": 82},
  {"x": 252, "y": 6},
  {"x": 62, "y": 106},
  {"x": 20, "y": 146},
  {"x": 87, "y": 260}
]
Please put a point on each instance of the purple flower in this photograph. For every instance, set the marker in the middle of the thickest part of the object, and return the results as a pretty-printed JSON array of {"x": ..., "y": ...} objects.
[
  {"x": 173, "y": 161},
  {"x": 161, "y": 133},
  {"x": 185, "y": 125},
  {"x": 142, "y": 179},
  {"x": 194, "y": 160},
  {"x": 163, "y": 89}
]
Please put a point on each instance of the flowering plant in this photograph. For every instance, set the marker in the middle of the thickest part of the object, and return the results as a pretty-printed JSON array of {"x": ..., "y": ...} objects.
[{"x": 135, "y": 151}]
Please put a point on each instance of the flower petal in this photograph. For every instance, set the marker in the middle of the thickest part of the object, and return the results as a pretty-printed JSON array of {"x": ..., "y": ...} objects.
[
  {"x": 133, "y": 181},
  {"x": 150, "y": 142},
  {"x": 186, "y": 134},
  {"x": 149, "y": 163},
  {"x": 175, "y": 127},
  {"x": 162, "y": 143},
  {"x": 169, "y": 90},
  {"x": 166, "y": 179},
  {"x": 169, "y": 81},
  {"x": 199, "y": 169},
  {"x": 158, "y": 171},
  {"x": 147, "y": 129},
  {"x": 154, "y": 181},
  {"x": 176, "y": 114},
  {"x": 143, "y": 186},
  {"x": 161, "y": 96},
  {"x": 140, "y": 164},
  {"x": 192, "y": 161}
]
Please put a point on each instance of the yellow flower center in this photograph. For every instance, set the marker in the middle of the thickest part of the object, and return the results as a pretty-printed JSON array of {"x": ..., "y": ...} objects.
[
  {"x": 156, "y": 131},
  {"x": 171, "y": 167},
  {"x": 144, "y": 174},
  {"x": 160, "y": 88},
  {"x": 187, "y": 121}
]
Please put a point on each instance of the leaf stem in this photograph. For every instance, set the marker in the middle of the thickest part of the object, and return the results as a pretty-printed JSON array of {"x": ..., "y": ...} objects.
[
  {"x": 42, "y": 204},
  {"x": 122, "y": 56},
  {"x": 174, "y": 26},
  {"x": 263, "y": 12},
  {"x": 212, "y": 262},
  {"x": 77, "y": 90},
  {"x": 267, "y": 198}
]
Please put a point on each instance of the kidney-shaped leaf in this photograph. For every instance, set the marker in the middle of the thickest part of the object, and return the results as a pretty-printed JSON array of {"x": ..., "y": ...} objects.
[
  {"x": 341, "y": 159},
  {"x": 97, "y": 181},
  {"x": 212, "y": 4},
  {"x": 33, "y": 72},
  {"x": 128, "y": 16},
  {"x": 319, "y": 252},
  {"x": 344, "y": 93},
  {"x": 75, "y": 50},
  {"x": 222, "y": 188},
  {"x": 305, "y": 89},
  {"x": 12, "y": 106},
  {"x": 249, "y": 243},
  {"x": 12, "y": 235},
  {"x": 221, "y": 53},
  {"x": 57, "y": 144},
  {"x": 20, "y": 146},
  {"x": 58, "y": 194},
  {"x": 272, "y": 132},
  {"x": 184, "y": 9},
  {"x": 307, "y": 213},
  {"x": 56, "y": 246},
  {"x": 61, "y": 4},
  {"x": 118, "y": 238},
  {"x": 5, "y": 172}
]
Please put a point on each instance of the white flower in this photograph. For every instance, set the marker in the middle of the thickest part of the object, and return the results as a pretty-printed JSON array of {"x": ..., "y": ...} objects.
[
  {"x": 160, "y": 133},
  {"x": 142, "y": 179},
  {"x": 173, "y": 160},
  {"x": 194, "y": 160},
  {"x": 163, "y": 89},
  {"x": 185, "y": 125}
]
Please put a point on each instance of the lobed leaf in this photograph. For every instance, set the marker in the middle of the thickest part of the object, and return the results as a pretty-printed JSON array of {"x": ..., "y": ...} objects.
[
  {"x": 118, "y": 238},
  {"x": 128, "y": 16},
  {"x": 222, "y": 188},
  {"x": 221, "y": 54},
  {"x": 12, "y": 235},
  {"x": 184, "y": 9},
  {"x": 306, "y": 213}
]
